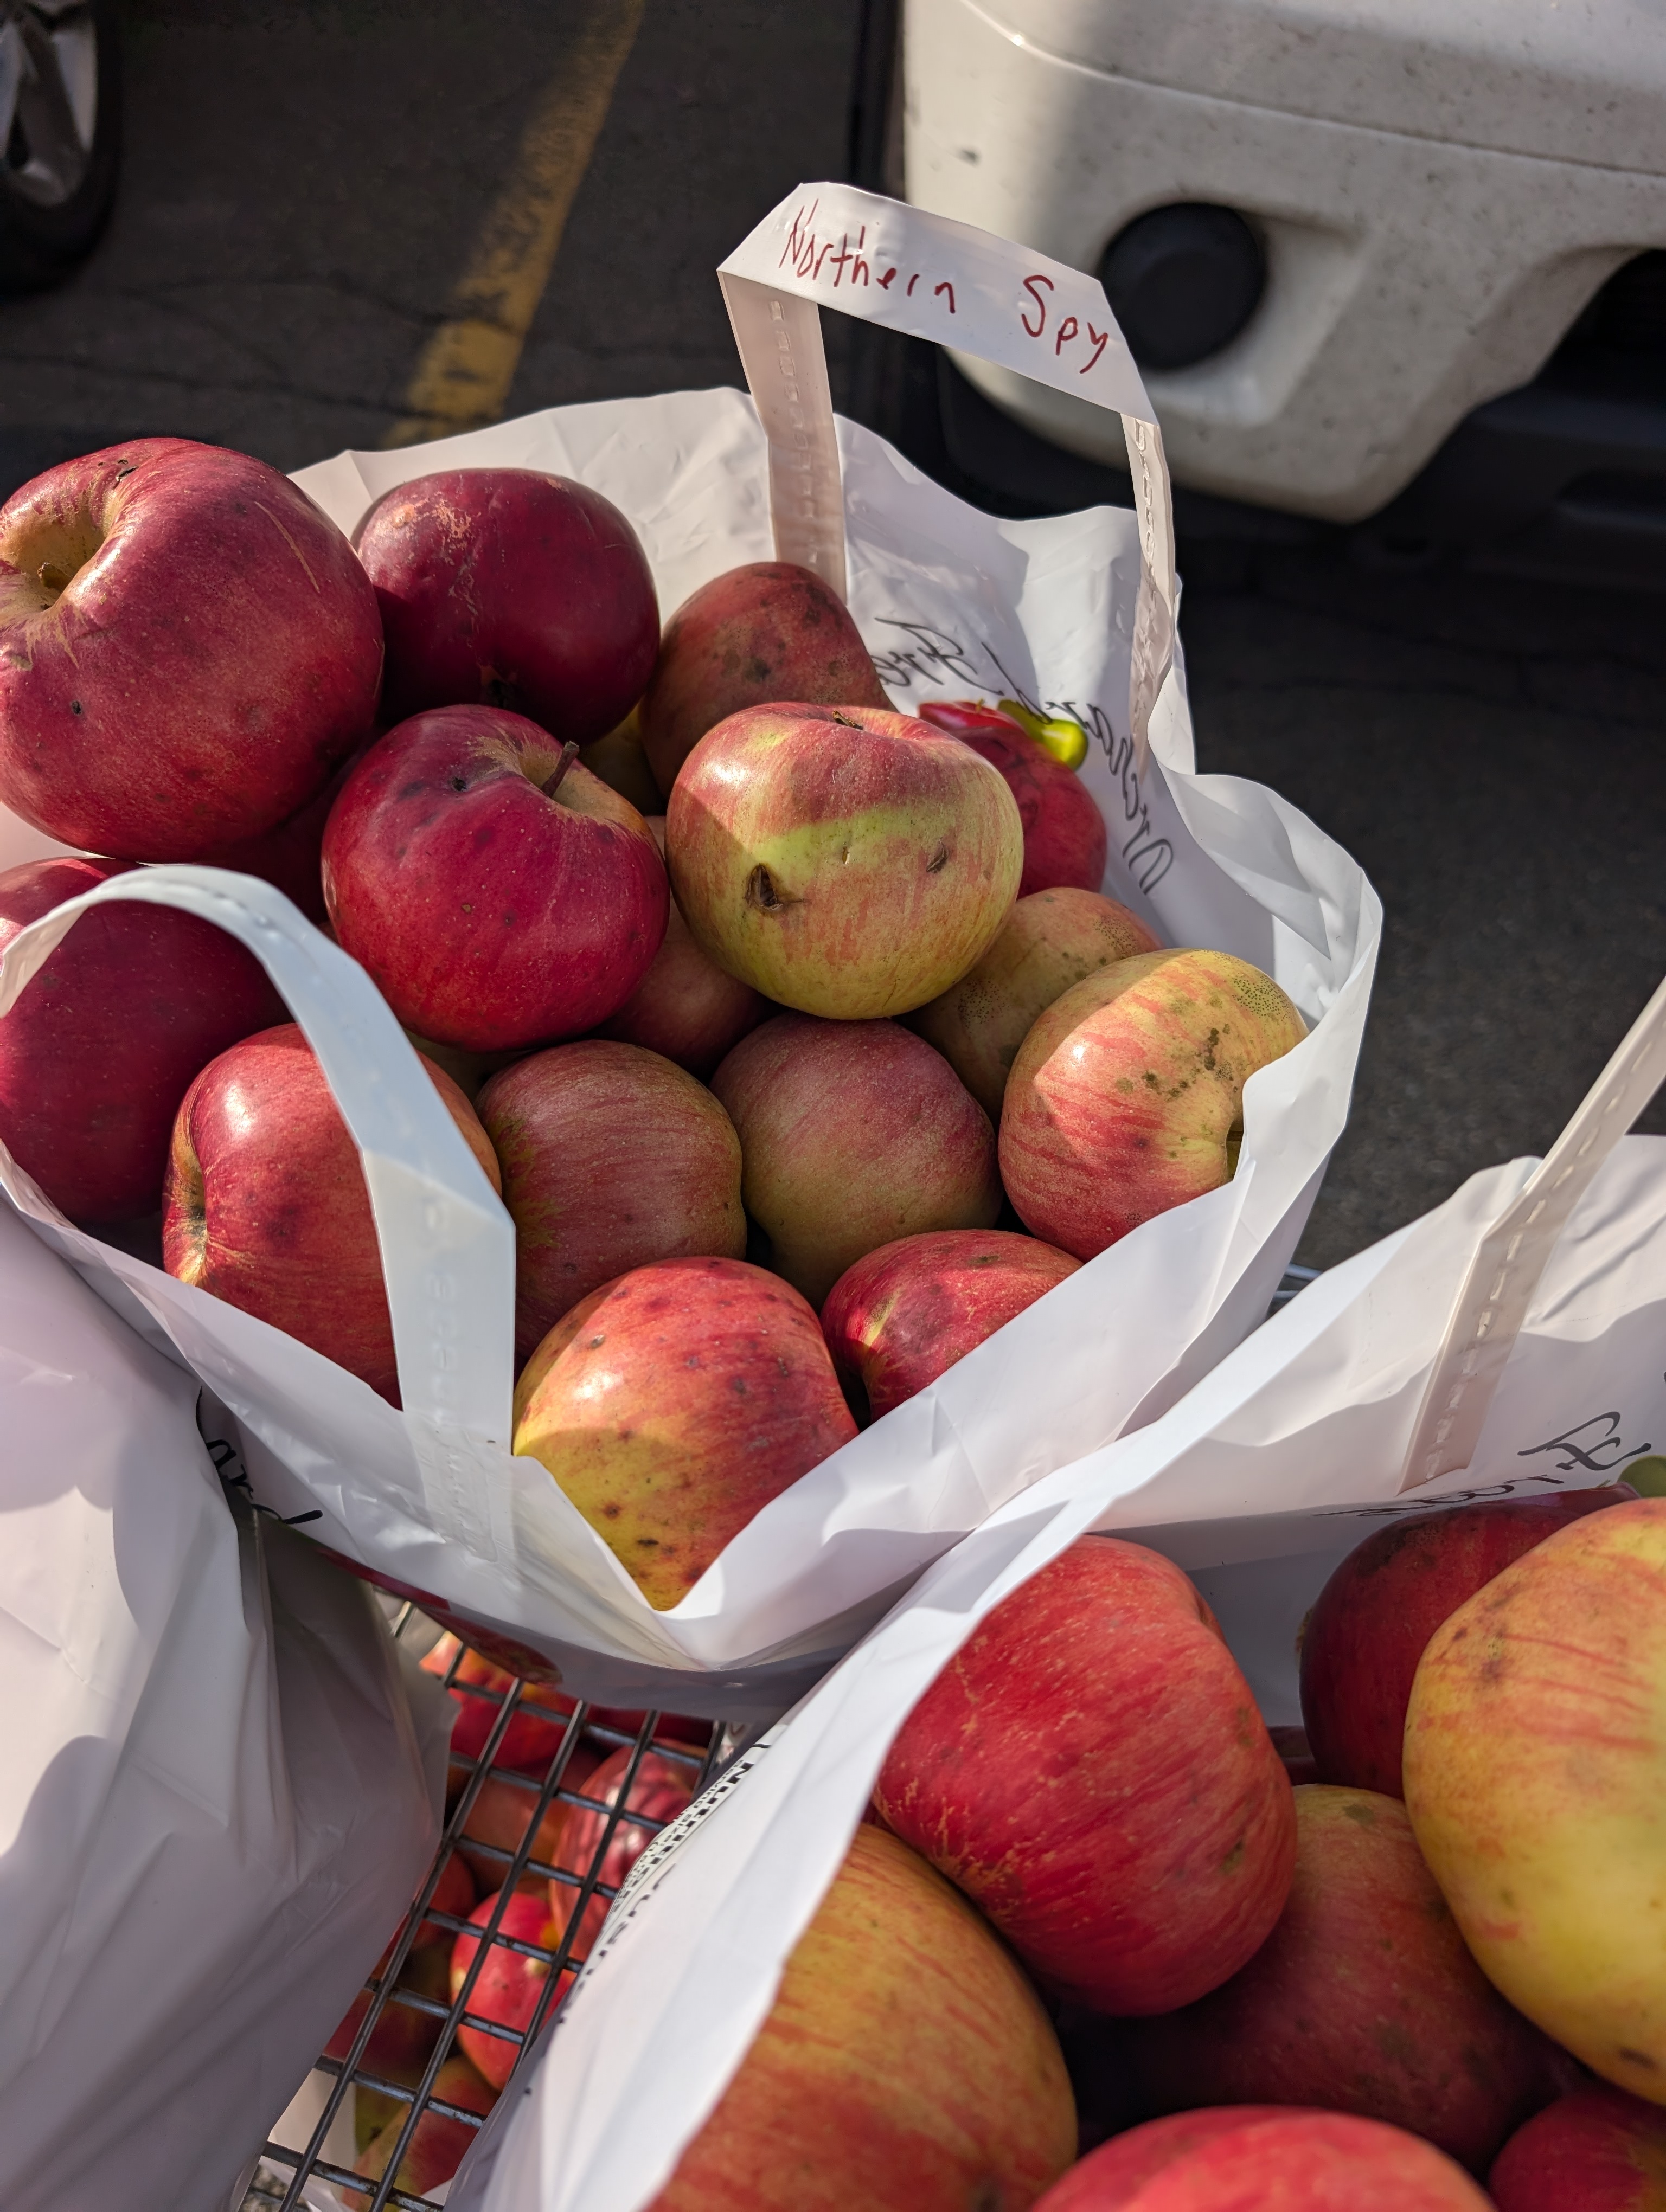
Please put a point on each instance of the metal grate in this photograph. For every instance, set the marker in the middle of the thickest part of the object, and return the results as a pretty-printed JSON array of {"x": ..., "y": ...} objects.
[{"x": 280, "y": 2184}]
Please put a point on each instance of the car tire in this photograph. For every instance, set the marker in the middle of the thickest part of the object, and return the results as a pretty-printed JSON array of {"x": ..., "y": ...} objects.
[{"x": 60, "y": 134}]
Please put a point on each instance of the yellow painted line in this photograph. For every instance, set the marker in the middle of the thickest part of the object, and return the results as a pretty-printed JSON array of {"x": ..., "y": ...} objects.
[{"x": 462, "y": 380}]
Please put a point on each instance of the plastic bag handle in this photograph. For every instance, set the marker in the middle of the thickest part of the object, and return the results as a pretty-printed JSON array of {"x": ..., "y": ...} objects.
[
  {"x": 447, "y": 1245},
  {"x": 1497, "y": 1291},
  {"x": 896, "y": 265}
]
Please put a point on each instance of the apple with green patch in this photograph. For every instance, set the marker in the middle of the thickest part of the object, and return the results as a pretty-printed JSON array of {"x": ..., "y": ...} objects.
[{"x": 848, "y": 862}]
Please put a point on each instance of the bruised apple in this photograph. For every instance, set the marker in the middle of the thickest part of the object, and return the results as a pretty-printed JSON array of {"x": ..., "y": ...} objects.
[
  {"x": 1252, "y": 2158},
  {"x": 846, "y": 861},
  {"x": 1050, "y": 941},
  {"x": 266, "y": 1204},
  {"x": 1534, "y": 1772},
  {"x": 106, "y": 1039},
  {"x": 905, "y": 2065},
  {"x": 768, "y": 630},
  {"x": 1594, "y": 2150},
  {"x": 611, "y": 1157},
  {"x": 1065, "y": 839},
  {"x": 1375, "y": 1615},
  {"x": 1127, "y": 1097},
  {"x": 1363, "y": 1999},
  {"x": 499, "y": 894},
  {"x": 672, "y": 1404},
  {"x": 686, "y": 1006},
  {"x": 904, "y": 1314},
  {"x": 1090, "y": 1769},
  {"x": 188, "y": 647},
  {"x": 511, "y": 588},
  {"x": 852, "y": 1135}
]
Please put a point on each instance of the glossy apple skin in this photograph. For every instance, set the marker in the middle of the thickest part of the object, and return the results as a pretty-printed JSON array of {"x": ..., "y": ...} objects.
[
  {"x": 686, "y": 1007},
  {"x": 1374, "y": 1618},
  {"x": 1051, "y": 941},
  {"x": 660, "y": 1789},
  {"x": 849, "y": 862},
  {"x": 611, "y": 1157},
  {"x": 1363, "y": 1999},
  {"x": 672, "y": 1404},
  {"x": 904, "y": 1314},
  {"x": 214, "y": 652},
  {"x": 266, "y": 1204},
  {"x": 510, "y": 1986},
  {"x": 1594, "y": 2150},
  {"x": 1090, "y": 1769},
  {"x": 852, "y": 1135},
  {"x": 768, "y": 630},
  {"x": 1295, "y": 2161},
  {"x": 492, "y": 916},
  {"x": 106, "y": 1039},
  {"x": 1127, "y": 1097},
  {"x": 510, "y": 588},
  {"x": 1535, "y": 1769},
  {"x": 1064, "y": 838},
  {"x": 905, "y": 2066},
  {"x": 439, "y": 2143}
]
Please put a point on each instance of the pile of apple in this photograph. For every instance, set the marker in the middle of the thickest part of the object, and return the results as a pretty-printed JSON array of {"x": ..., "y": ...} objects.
[
  {"x": 1091, "y": 1913},
  {"x": 849, "y": 1027}
]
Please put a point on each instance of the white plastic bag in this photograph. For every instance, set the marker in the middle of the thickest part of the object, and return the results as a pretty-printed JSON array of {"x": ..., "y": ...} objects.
[
  {"x": 215, "y": 1803},
  {"x": 1074, "y": 615},
  {"x": 1258, "y": 1483}
]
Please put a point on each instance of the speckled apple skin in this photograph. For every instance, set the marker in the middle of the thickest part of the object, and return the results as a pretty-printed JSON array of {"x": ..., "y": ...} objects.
[
  {"x": 846, "y": 861},
  {"x": 1536, "y": 1779},
  {"x": 672, "y": 1404},
  {"x": 1090, "y": 1769},
  {"x": 903, "y": 1314},
  {"x": 214, "y": 653},
  {"x": 265, "y": 1204},
  {"x": 905, "y": 2066},
  {"x": 765, "y": 631},
  {"x": 1128, "y": 1094}
]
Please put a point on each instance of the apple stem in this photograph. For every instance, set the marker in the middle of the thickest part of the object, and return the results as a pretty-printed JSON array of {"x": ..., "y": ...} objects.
[{"x": 552, "y": 783}]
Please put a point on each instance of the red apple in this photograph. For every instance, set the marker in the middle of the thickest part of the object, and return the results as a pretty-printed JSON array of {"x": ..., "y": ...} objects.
[
  {"x": 1375, "y": 1616},
  {"x": 905, "y": 2065},
  {"x": 1295, "y": 2161},
  {"x": 503, "y": 1812},
  {"x": 1049, "y": 942},
  {"x": 1127, "y": 1097},
  {"x": 768, "y": 630},
  {"x": 104, "y": 1043},
  {"x": 904, "y": 1314},
  {"x": 1596, "y": 2150},
  {"x": 187, "y": 649},
  {"x": 402, "y": 2041},
  {"x": 1363, "y": 1999},
  {"x": 510, "y": 588},
  {"x": 672, "y": 1404},
  {"x": 686, "y": 1006},
  {"x": 852, "y": 1135},
  {"x": 500, "y": 895},
  {"x": 1090, "y": 1769},
  {"x": 611, "y": 1157},
  {"x": 1535, "y": 1772},
  {"x": 291, "y": 856},
  {"x": 266, "y": 1204},
  {"x": 660, "y": 1790},
  {"x": 510, "y": 1986},
  {"x": 846, "y": 861},
  {"x": 538, "y": 1725},
  {"x": 438, "y": 2143},
  {"x": 1065, "y": 839}
]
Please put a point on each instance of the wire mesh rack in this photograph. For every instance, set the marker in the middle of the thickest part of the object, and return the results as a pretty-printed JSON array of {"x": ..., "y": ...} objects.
[{"x": 358, "y": 2088}]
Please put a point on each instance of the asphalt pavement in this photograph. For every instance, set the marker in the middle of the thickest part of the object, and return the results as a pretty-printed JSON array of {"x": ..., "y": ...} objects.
[{"x": 311, "y": 195}]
